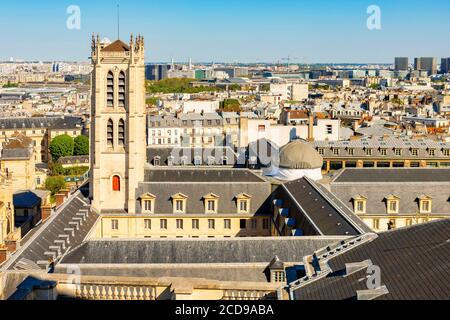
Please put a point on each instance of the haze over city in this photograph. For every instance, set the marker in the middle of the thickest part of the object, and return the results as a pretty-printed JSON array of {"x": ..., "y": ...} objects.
[{"x": 232, "y": 30}]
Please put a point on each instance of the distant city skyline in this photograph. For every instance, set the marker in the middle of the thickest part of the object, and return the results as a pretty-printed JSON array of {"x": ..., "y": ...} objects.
[{"x": 231, "y": 31}]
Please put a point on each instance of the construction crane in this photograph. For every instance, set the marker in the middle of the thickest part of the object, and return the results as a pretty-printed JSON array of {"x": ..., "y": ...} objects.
[{"x": 289, "y": 59}]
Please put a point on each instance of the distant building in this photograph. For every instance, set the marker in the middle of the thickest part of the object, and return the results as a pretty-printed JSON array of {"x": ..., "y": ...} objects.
[
  {"x": 445, "y": 65},
  {"x": 426, "y": 64},
  {"x": 234, "y": 72},
  {"x": 156, "y": 71},
  {"x": 401, "y": 64}
]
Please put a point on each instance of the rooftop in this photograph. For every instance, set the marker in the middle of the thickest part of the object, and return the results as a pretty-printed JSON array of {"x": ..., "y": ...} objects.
[{"x": 392, "y": 175}]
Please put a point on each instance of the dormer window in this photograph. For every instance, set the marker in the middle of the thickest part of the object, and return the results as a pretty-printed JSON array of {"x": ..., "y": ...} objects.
[
  {"x": 211, "y": 203},
  {"x": 351, "y": 151},
  {"x": 157, "y": 161},
  {"x": 369, "y": 151},
  {"x": 170, "y": 160},
  {"x": 446, "y": 152},
  {"x": 425, "y": 204},
  {"x": 383, "y": 151},
  {"x": 359, "y": 204},
  {"x": 211, "y": 161},
  {"x": 321, "y": 151},
  {"x": 415, "y": 152},
  {"x": 398, "y": 152},
  {"x": 431, "y": 152},
  {"x": 392, "y": 204},
  {"x": 148, "y": 203},
  {"x": 243, "y": 203},
  {"x": 183, "y": 160},
  {"x": 198, "y": 161},
  {"x": 335, "y": 151},
  {"x": 179, "y": 203},
  {"x": 224, "y": 160}
]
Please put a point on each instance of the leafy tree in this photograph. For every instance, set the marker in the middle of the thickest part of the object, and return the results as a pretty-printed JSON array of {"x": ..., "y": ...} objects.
[
  {"x": 55, "y": 184},
  {"x": 10, "y": 85},
  {"x": 178, "y": 85},
  {"x": 231, "y": 105},
  {"x": 265, "y": 87},
  {"x": 61, "y": 146},
  {"x": 152, "y": 101},
  {"x": 81, "y": 146}
]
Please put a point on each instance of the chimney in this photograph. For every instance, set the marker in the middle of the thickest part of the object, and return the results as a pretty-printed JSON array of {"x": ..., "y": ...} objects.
[{"x": 311, "y": 127}]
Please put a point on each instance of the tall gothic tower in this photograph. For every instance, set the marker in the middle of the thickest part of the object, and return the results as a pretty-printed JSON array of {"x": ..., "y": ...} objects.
[{"x": 117, "y": 124}]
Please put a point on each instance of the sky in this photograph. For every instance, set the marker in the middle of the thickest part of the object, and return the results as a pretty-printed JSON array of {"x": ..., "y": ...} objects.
[{"x": 308, "y": 31}]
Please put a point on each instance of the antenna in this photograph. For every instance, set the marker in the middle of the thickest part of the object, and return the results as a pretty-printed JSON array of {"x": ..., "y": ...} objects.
[{"x": 118, "y": 21}]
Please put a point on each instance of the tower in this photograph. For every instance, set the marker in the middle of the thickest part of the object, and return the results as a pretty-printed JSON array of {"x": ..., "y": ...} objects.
[{"x": 117, "y": 124}]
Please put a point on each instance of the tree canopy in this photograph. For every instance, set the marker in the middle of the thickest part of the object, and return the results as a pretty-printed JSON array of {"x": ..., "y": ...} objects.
[
  {"x": 55, "y": 184},
  {"x": 61, "y": 146},
  {"x": 231, "y": 105},
  {"x": 81, "y": 146}
]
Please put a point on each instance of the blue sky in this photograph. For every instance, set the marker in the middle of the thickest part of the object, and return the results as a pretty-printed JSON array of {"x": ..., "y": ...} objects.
[{"x": 231, "y": 30}]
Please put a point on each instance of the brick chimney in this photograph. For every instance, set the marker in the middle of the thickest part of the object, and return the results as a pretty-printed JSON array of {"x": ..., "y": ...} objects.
[{"x": 311, "y": 127}]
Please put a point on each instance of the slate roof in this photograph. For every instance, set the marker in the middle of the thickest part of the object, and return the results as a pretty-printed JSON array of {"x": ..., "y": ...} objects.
[
  {"x": 28, "y": 199},
  {"x": 39, "y": 123},
  {"x": 392, "y": 175},
  {"x": 74, "y": 160},
  {"x": 390, "y": 143},
  {"x": 217, "y": 153},
  {"x": 323, "y": 211},
  {"x": 409, "y": 185},
  {"x": 195, "y": 184},
  {"x": 194, "y": 251},
  {"x": 36, "y": 245},
  {"x": 414, "y": 264}
]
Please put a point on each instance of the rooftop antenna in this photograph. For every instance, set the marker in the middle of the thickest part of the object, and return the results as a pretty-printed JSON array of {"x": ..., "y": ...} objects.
[{"x": 118, "y": 21}]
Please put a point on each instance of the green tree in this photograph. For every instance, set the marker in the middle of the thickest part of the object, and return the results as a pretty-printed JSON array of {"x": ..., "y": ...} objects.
[
  {"x": 231, "y": 105},
  {"x": 81, "y": 146},
  {"x": 61, "y": 146},
  {"x": 55, "y": 184},
  {"x": 152, "y": 101}
]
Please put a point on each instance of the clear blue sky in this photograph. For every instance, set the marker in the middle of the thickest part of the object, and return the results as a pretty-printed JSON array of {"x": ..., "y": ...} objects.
[{"x": 231, "y": 30}]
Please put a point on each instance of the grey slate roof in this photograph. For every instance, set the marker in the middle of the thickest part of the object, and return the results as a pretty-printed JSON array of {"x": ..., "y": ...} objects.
[
  {"x": 67, "y": 122},
  {"x": 392, "y": 175},
  {"x": 390, "y": 143},
  {"x": 414, "y": 264},
  {"x": 195, "y": 251},
  {"x": 217, "y": 153},
  {"x": 324, "y": 213},
  {"x": 195, "y": 184}
]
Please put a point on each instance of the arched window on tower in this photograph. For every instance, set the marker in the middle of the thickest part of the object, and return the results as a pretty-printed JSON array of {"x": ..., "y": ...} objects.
[
  {"x": 121, "y": 132},
  {"x": 110, "y": 90},
  {"x": 110, "y": 134},
  {"x": 122, "y": 89},
  {"x": 116, "y": 183}
]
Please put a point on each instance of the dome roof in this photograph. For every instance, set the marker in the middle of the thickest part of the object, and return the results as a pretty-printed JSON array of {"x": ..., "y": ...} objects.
[{"x": 299, "y": 155}]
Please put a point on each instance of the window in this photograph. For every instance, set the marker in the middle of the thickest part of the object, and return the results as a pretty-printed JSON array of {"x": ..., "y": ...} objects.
[
  {"x": 115, "y": 224},
  {"x": 278, "y": 276},
  {"x": 243, "y": 223},
  {"x": 369, "y": 151},
  {"x": 336, "y": 151},
  {"x": 211, "y": 203},
  {"x": 425, "y": 204},
  {"x": 376, "y": 224},
  {"x": 110, "y": 134},
  {"x": 243, "y": 206},
  {"x": 122, "y": 89},
  {"x": 170, "y": 161},
  {"x": 147, "y": 224},
  {"x": 116, "y": 183},
  {"x": 392, "y": 204},
  {"x": 383, "y": 152},
  {"x": 431, "y": 152},
  {"x": 446, "y": 152},
  {"x": 360, "y": 204},
  {"x": 148, "y": 205},
  {"x": 329, "y": 129},
  {"x": 179, "y": 203},
  {"x": 195, "y": 224},
  {"x": 262, "y": 128},
  {"x": 254, "y": 224},
  {"x": 321, "y": 151},
  {"x": 415, "y": 152},
  {"x": 157, "y": 161},
  {"x": 110, "y": 90},
  {"x": 227, "y": 224},
  {"x": 197, "y": 161},
  {"x": 211, "y": 224},
  {"x": 163, "y": 224},
  {"x": 121, "y": 132},
  {"x": 266, "y": 224},
  {"x": 179, "y": 224},
  {"x": 398, "y": 152},
  {"x": 408, "y": 222},
  {"x": 351, "y": 151}
]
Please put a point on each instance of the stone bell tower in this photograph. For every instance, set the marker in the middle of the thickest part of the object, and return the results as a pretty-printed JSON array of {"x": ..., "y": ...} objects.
[{"x": 117, "y": 124}]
